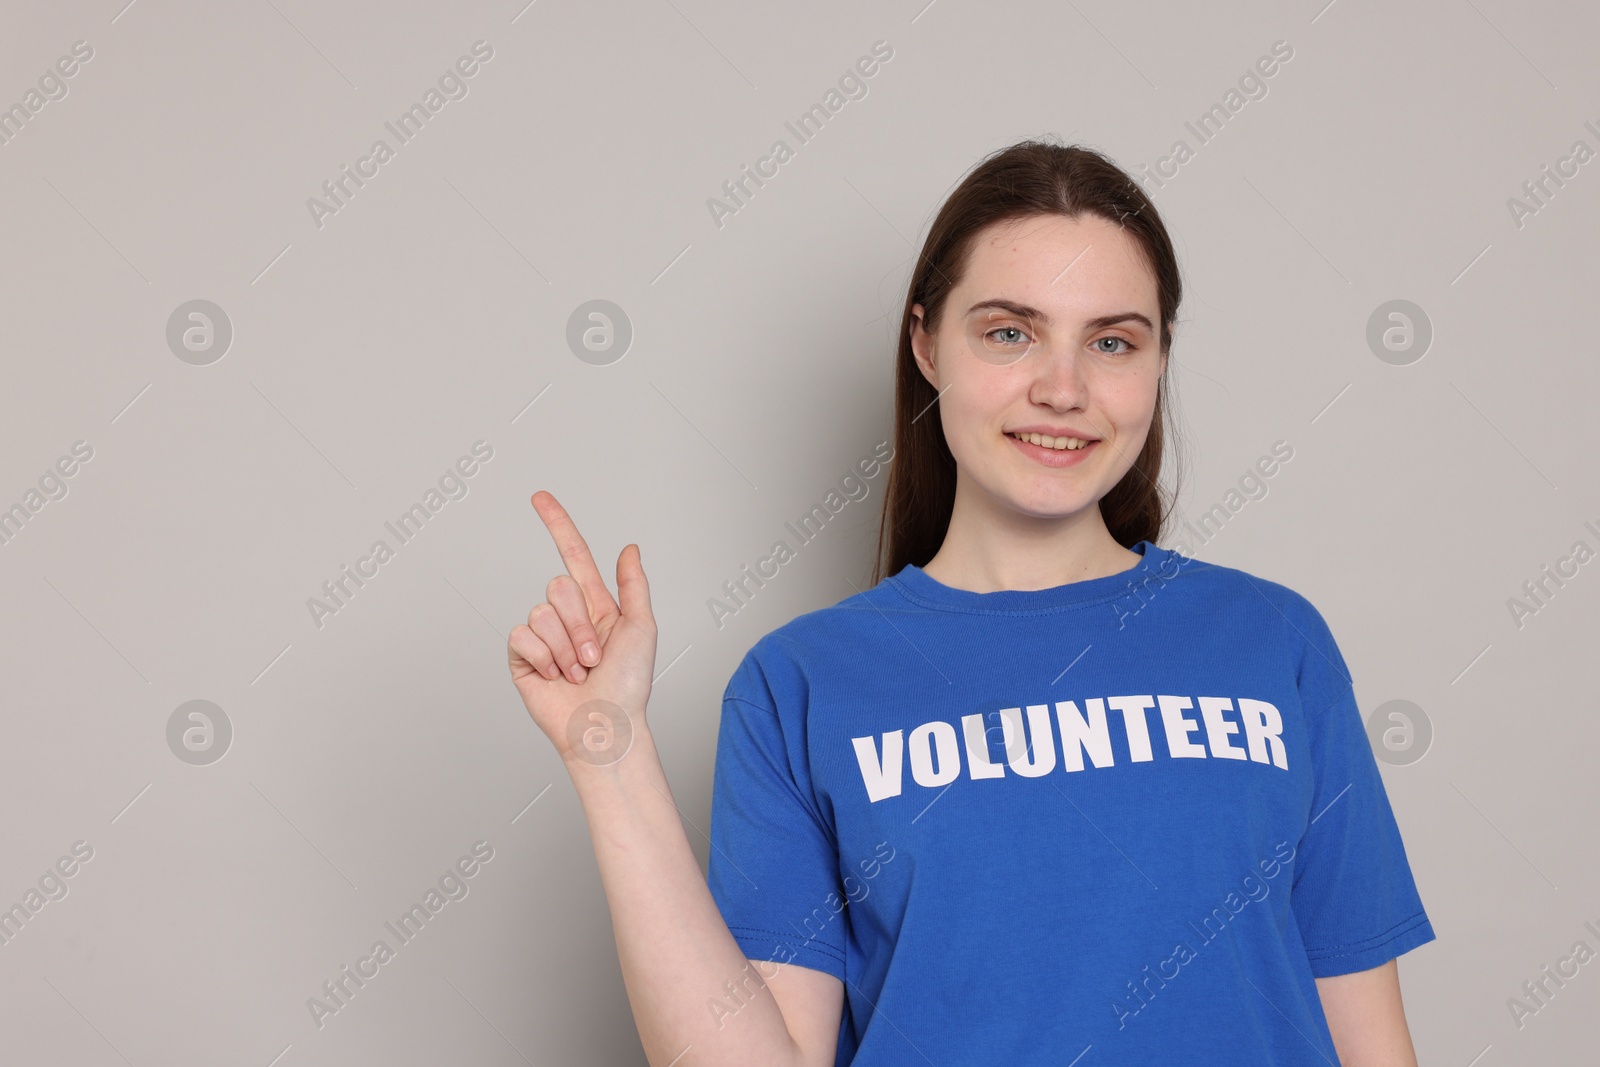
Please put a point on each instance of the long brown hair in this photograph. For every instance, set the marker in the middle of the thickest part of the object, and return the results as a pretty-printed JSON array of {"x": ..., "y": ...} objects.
[{"x": 1028, "y": 178}]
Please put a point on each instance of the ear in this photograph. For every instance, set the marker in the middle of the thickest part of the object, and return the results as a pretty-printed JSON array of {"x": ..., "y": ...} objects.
[{"x": 923, "y": 346}]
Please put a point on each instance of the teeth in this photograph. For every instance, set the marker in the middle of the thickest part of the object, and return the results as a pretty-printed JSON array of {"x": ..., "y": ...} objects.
[{"x": 1057, "y": 443}]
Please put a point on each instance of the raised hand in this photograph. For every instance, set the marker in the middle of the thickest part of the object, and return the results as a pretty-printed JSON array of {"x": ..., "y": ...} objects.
[{"x": 581, "y": 660}]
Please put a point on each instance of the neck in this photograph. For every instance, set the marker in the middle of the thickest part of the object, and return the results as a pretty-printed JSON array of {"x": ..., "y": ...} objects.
[{"x": 988, "y": 548}]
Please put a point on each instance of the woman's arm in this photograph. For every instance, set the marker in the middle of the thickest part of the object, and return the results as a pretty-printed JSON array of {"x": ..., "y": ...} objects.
[
  {"x": 1366, "y": 1018},
  {"x": 583, "y": 664},
  {"x": 675, "y": 948}
]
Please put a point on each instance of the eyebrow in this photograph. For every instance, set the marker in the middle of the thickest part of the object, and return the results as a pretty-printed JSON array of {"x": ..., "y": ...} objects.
[{"x": 1026, "y": 312}]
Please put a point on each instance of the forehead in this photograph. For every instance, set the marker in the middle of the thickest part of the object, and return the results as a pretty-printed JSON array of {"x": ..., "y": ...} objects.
[{"x": 1077, "y": 267}]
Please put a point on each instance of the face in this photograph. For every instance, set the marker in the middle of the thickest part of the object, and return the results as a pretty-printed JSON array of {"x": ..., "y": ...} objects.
[{"x": 1052, "y": 330}]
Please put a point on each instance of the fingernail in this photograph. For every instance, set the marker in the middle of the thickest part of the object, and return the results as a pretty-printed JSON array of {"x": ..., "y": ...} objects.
[
  {"x": 552, "y": 672},
  {"x": 578, "y": 673},
  {"x": 590, "y": 653}
]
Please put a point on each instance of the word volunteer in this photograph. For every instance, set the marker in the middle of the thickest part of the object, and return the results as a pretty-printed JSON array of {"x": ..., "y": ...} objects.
[{"x": 935, "y": 754}]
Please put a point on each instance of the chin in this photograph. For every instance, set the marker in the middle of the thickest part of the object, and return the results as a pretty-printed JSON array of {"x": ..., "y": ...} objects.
[{"x": 1050, "y": 505}]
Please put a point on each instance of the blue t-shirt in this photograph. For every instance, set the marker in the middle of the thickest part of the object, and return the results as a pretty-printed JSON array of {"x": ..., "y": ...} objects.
[{"x": 1132, "y": 816}]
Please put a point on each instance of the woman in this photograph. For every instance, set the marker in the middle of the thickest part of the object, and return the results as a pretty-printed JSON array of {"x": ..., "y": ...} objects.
[{"x": 1047, "y": 791}]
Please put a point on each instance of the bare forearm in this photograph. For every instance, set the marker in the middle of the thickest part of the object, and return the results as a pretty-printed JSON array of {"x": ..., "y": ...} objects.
[
  {"x": 1367, "y": 1018},
  {"x": 675, "y": 948}
]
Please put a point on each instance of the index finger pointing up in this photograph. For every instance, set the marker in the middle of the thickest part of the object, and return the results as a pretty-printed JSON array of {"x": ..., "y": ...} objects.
[{"x": 575, "y": 554}]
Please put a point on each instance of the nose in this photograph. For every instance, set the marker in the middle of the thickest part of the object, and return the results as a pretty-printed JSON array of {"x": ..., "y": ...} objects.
[{"x": 1059, "y": 380}]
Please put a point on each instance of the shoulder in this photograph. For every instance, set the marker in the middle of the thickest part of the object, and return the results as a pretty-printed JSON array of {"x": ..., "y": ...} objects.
[
  {"x": 1243, "y": 592},
  {"x": 777, "y": 666},
  {"x": 1253, "y": 610}
]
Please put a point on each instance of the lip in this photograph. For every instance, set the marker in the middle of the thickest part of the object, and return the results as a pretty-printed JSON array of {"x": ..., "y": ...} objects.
[{"x": 1050, "y": 457}]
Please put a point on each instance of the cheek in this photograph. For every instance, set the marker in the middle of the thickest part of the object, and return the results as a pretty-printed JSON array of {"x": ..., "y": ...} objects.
[
  {"x": 971, "y": 410},
  {"x": 957, "y": 419},
  {"x": 1130, "y": 399}
]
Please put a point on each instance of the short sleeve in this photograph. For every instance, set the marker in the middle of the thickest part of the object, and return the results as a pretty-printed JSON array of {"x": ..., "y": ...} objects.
[
  {"x": 774, "y": 865},
  {"x": 1353, "y": 897}
]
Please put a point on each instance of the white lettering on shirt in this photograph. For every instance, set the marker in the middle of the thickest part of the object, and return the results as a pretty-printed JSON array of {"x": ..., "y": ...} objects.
[
  {"x": 1218, "y": 728},
  {"x": 1079, "y": 735},
  {"x": 935, "y": 751},
  {"x": 1133, "y": 721},
  {"x": 881, "y": 781},
  {"x": 978, "y": 748},
  {"x": 1178, "y": 727},
  {"x": 1263, "y": 726},
  {"x": 923, "y": 740}
]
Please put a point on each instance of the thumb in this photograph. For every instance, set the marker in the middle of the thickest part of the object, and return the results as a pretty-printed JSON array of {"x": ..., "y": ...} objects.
[{"x": 633, "y": 589}]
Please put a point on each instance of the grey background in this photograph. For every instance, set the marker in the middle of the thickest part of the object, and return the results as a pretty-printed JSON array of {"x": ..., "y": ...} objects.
[{"x": 367, "y": 355}]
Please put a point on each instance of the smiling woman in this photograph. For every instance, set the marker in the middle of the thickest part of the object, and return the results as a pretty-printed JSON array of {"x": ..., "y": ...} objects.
[{"x": 1039, "y": 324}]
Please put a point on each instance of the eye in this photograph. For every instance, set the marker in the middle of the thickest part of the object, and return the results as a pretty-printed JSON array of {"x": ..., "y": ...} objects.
[
  {"x": 1122, "y": 340},
  {"x": 1018, "y": 337}
]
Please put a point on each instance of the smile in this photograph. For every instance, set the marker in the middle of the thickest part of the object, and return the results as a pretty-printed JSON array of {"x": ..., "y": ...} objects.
[
  {"x": 1056, "y": 443},
  {"x": 1053, "y": 451}
]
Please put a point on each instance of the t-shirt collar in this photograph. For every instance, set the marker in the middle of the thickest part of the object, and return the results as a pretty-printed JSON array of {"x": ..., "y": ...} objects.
[{"x": 918, "y": 586}]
